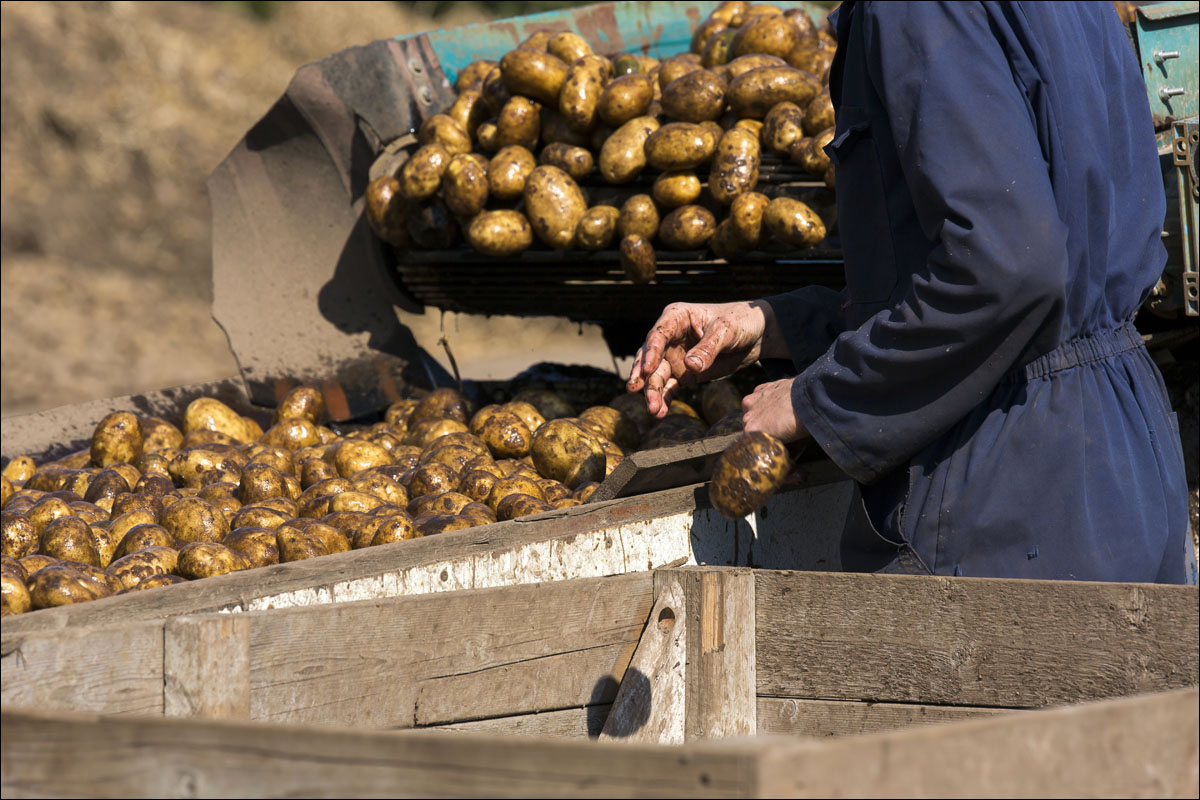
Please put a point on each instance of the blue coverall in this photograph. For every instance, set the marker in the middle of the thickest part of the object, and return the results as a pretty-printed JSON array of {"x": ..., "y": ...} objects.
[{"x": 1000, "y": 204}]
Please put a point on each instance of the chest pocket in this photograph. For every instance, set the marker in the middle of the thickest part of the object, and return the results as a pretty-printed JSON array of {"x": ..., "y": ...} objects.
[{"x": 863, "y": 220}]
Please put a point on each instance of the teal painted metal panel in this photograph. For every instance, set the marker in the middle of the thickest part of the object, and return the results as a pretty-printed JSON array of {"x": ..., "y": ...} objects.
[
  {"x": 1168, "y": 39},
  {"x": 656, "y": 29}
]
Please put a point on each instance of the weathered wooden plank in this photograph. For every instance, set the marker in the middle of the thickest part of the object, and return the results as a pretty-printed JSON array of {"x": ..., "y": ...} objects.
[
  {"x": 665, "y": 467},
  {"x": 1146, "y": 746},
  {"x": 651, "y": 703},
  {"x": 206, "y": 666},
  {"x": 791, "y": 716},
  {"x": 568, "y": 723},
  {"x": 448, "y": 657},
  {"x": 112, "y": 670},
  {"x": 721, "y": 656},
  {"x": 971, "y": 641},
  {"x": 78, "y": 755}
]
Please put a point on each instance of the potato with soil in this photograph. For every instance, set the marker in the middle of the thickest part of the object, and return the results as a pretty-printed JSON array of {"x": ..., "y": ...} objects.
[
  {"x": 69, "y": 539},
  {"x": 718, "y": 399},
  {"x": 687, "y": 228},
  {"x": 465, "y": 185},
  {"x": 794, "y": 223},
  {"x": 782, "y": 127},
  {"x": 505, "y": 435},
  {"x": 680, "y": 145},
  {"x": 675, "y": 189},
  {"x": 772, "y": 35},
  {"x": 20, "y": 468},
  {"x": 555, "y": 205},
  {"x": 397, "y": 528},
  {"x": 385, "y": 211},
  {"x": 422, "y": 173},
  {"x": 18, "y": 538},
  {"x": 198, "y": 560},
  {"x": 194, "y": 520},
  {"x": 508, "y": 171},
  {"x": 719, "y": 50},
  {"x": 210, "y": 414},
  {"x": 809, "y": 153},
  {"x": 746, "y": 216},
  {"x": 747, "y": 474},
  {"x": 568, "y": 47},
  {"x": 519, "y": 123},
  {"x": 256, "y": 545},
  {"x": 625, "y": 98},
  {"x": 60, "y": 584},
  {"x": 472, "y": 75},
  {"x": 14, "y": 593},
  {"x": 696, "y": 96},
  {"x": 134, "y": 568},
  {"x": 623, "y": 156},
  {"x": 581, "y": 91},
  {"x": 573, "y": 160},
  {"x": 613, "y": 425},
  {"x": 639, "y": 217},
  {"x": 754, "y": 93},
  {"x": 444, "y": 130},
  {"x": 538, "y": 75},
  {"x": 597, "y": 228},
  {"x": 442, "y": 403},
  {"x": 501, "y": 233},
  {"x": 514, "y": 484},
  {"x": 638, "y": 260},
  {"x": 565, "y": 452},
  {"x": 735, "y": 168},
  {"x": 520, "y": 505},
  {"x": 118, "y": 437}
]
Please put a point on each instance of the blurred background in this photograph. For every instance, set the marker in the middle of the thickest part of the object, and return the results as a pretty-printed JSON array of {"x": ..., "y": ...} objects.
[{"x": 112, "y": 116}]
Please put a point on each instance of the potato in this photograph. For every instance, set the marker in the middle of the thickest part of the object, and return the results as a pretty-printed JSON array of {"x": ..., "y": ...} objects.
[
  {"x": 747, "y": 474},
  {"x": 623, "y": 155},
  {"x": 687, "y": 228},
  {"x": 676, "y": 188},
  {"x": 818, "y": 114},
  {"x": 445, "y": 503},
  {"x": 14, "y": 594},
  {"x": 444, "y": 130},
  {"x": 17, "y": 535},
  {"x": 793, "y": 222},
  {"x": 69, "y": 539},
  {"x": 674, "y": 68},
  {"x": 596, "y": 228},
  {"x": 638, "y": 217},
  {"x": 535, "y": 74},
  {"x": 118, "y": 437},
  {"x": 745, "y": 215},
  {"x": 472, "y": 75},
  {"x": 772, "y": 35},
  {"x": 695, "y": 97},
  {"x": 735, "y": 168},
  {"x": 194, "y": 520},
  {"x": 813, "y": 60},
  {"x": 421, "y": 174},
  {"x": 520, "y": 505},
  {"x": 469, "y": 111},
  {"x": 433, "y": 479},
  {"x": 680, "y": 145},
  {"x": 581, "y": 91},
  {"x": 455, "y": 456},
  {"x": 719, "y": 49},
  {"x": 260, "y": 482},
  {"x": 556, "y": 130},
  {"x": 429, "y": 430},
  {"x": 397, "y": 413},
  {"x": 442, "y": 403},
  {"x": 554, "y": 204},
  {"x": 382, "y": 487},
  {"x": 386, "y": 210},
  {"x": 500, "y": 233},
  {"x": 638, "y": 259},
  {"x": 292, "y": 434},
  {"x": 495, "y": 93},
  {"x": 396, "y": 529},
  {"x": 730, "y": 423},
  {"x": 708, "y": 29},
  {"x": 754, "y": 93},
  {"x": 565, "y": 452},
  {"x": 61, "y": 584},
  {"x": 335, "y": 530},
  {"x": 351, "y": 456},
  {"x": 568, "y": 47},
  {"x": 210, "y": 414},
  {"x": 354, "y": 501},
  {"x": 746, "y": 63},
  {"x": 519, "y": 123},
  {"x": 487, "y": 136},
  {"x": 583, "y": 493},
  {"x": 809, "y": 153},
  {"x": 20, "y": 468},
  {"x": 575, "y": 161},
  {"x": 477, "y": 484},
  {"x": 718, "y": 399},
  {"x": 159, "y": 435},
  {"x": 511, "y": 467},
  {"x": 782, "y": 127},
  {"x": 508, "y": 171},
  {"x": 157, "y": 581},
  {"x": 506, "y": 435},
  {"x": 259, "y": 516},
  {"x": 132, "y": 569},
  {"x": 549, "y": 404},
  {"x": 141, "y": 536},
  {"x": 465, "y": 186},
  {"x": 625, "y": 98},
  {"x": 208, "y": 559},
  {"x": 514, "y": 484},
  {"x": 444, "y": 523}
]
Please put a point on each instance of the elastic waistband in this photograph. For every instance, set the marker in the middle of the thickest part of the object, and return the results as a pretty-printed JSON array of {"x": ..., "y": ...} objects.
[{"x": 1083, "y": 350}]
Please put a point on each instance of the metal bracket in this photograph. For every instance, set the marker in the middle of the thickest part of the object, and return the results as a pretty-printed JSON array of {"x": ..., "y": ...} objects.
[{"x": 1186, "y": 144}]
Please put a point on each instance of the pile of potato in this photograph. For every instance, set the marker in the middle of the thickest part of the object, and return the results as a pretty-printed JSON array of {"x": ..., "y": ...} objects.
[
  {"x": 152, "y": 503},
  {"x": 577, "y": 150}
]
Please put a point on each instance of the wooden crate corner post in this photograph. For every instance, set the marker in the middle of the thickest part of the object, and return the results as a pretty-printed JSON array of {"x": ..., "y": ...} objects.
[{"x": 206, "y": 666}]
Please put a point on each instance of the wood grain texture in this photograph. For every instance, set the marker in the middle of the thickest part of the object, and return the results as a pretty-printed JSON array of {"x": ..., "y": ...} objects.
[
  {"x": 78, "y": 755},
  {"x": 971, "y": 641},
  {"x": 651, "y": 702},
  {"x": 112, "y": 670},
  {"x": 665, "y": 467},
  {"x": 794, "y": 717},
  {"x": 569, "y": 723},
  {"x": 518, "y": 551},
  {"x": 1146, "y": 746},
  {"x": 721, "y": 650},
  {"x": 447, "y": 657},
  {"x": 206, "y": 666}
]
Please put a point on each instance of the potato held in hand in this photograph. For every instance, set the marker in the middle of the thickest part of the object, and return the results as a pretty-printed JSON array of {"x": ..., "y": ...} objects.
[{"x": 747, "y": 474}]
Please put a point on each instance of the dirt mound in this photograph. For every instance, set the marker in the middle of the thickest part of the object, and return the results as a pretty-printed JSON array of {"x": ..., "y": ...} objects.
[{"x": 113, "y": 115}]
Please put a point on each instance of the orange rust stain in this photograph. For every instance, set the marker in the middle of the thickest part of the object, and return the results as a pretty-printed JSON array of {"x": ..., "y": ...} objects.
[
  {"x": 282, "y": 386},
  {"x": 336, "y": 404},
  {"x": 387, "y": 382},
  {"x": 599, "y": 27}
]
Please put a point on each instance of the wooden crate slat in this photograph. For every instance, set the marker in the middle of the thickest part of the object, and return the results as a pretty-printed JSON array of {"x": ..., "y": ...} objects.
[
  {"x": 112, "y": 670},
  {"x": 973, "y": 642},
  {"x": 790, "y": 716},
  {"x": 567, "y": 723},
  {"x": 447, "y": 657}
]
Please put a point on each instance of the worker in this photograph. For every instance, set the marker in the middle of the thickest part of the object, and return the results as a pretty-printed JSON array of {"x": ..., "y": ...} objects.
[{"x": 1000, "y": 204}]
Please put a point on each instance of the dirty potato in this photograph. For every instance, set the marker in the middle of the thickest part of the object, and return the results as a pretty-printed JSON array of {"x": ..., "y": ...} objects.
[
  {"x": 676, "y": 188},
  {"x": 385, "y": 211},
  {"x": 198, "y": 560},
  {"x": 679, "y": 145},
  {"x": 746, "y": 216},
  {"x": 60, "y": 584},
  {"x": 17, "y": 535},
  {"x": 754, "y": 93},
  {"x": 194, "y": 520},
  {"x": 638, "y": 217},
  {"x": 772, "y": 35},
  {"x": 687, "y": 228},
  {"x": 719, "y": 49},
  {"x": 514, "y": 484},
  {"x": 69, "y": 539},
  {"x": 505, "y": 435},
  {"x": 535, "y": 74},
  {"x": 568, "y": 47},
  {"x": 792, "y": 222},
  {"x": 397, "y": 528},
  {"x": 500, "y": 233},
  {"x": 465, "y": 186},
  {"x": 625, "y": 98},
  {"x": 565, "y": 452},
  {"x": 210, "y": 414},
  {"x": 735, "y": 168},
  {"x": 554, "y": 204},
  {"x": 472, "y": 75},
  {"x": 520, "y": 505},
  {"x": 141, "y": 536},
  {"x": 696, "y": 96},
  {"x": 575, "y": 161},
  {"x": 132, "y": 569},
  {"x": 747, "y": 474},
  {"x": 118, "y": 437},
  {"x": 809, "y": 153},
  {"x": 638, "y": 259},
  {"x": 581, "y": 91},
  {"x": 519, "y": 123},
  {"x": 508, "y": 171},
  {"x": 422, "y": 173},
  {"x": 596, "y": 228},
  {"x": 623, "y": 155},
  {"x": 444, "y": 130},
  {"x": 818, "y": 114}
]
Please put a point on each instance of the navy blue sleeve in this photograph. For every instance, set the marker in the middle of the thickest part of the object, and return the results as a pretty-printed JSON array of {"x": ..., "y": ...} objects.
[
  {"x": 969, "y": 152},
  {"x": 810, "y": 319}
]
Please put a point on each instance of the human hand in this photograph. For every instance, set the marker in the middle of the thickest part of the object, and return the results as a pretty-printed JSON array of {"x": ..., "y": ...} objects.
[
  {"x": 695, "y": 342},
  {"x": 769, "y": 409}
]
